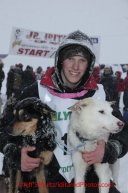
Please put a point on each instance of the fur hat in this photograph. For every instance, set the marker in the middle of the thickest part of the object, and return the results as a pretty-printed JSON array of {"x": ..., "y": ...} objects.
[{"x": 73, "y": 50}]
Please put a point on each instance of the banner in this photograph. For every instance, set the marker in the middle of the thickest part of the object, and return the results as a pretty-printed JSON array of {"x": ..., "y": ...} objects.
[
  {"x": 39, "y": 44},
  {"x": 124, "y": 67},
  {"x": 3, "y": 56}
]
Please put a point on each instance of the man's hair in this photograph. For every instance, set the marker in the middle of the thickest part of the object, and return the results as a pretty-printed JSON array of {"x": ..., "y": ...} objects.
[{"x": 73, "y": 50}]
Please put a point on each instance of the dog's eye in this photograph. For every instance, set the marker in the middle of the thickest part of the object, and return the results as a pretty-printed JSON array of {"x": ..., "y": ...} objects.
[
  {"x": 25, "y": 117},
  {"x": 102, "y": 112}
]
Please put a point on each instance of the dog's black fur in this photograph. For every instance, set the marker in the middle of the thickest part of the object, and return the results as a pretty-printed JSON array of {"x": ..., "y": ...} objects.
[{"x": 32, "y": 113}]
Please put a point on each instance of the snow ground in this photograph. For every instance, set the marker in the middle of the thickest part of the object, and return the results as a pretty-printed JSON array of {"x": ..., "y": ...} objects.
[{"x": 123, "y": 171}]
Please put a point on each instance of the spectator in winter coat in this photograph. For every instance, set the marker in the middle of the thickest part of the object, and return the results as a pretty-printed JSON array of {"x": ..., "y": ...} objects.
[
  {"x": 14, "y": 81},
  {"x": 125, "y": 113},
  {"x": 68, "y": 81},
  {"x": 123, "y": 86},
  {"x": 102, "y": 66},
  {"x": 2, "y": 74},
  {"x": 96, "y": 73},
  {"x": 20, "y": 66},
  {"x": 28, "y": 77},
  {"x": 39, "y": 73},
  {"x": 117, "y": 93},
  {"x": 9, "y": 83},
  {"x": 125, "y": 98},
  {"x": 109, "y": 82},
  {"x": 33, "y": 73},
  {"x": 125, "y": 89}
]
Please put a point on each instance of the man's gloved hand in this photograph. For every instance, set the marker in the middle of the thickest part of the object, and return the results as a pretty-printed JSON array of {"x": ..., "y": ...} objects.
[
  {"x": 112, "y": 150},
  {"x": 12, "y": 155}
]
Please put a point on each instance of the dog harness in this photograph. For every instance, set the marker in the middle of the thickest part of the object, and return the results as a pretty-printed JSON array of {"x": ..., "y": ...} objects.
[
  {"x": 61, "y": 121},
  {"x": 66, "y": 149}
]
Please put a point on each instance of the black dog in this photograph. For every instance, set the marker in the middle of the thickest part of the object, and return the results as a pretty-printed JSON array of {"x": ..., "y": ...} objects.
[{"x": 33, "y": 122}]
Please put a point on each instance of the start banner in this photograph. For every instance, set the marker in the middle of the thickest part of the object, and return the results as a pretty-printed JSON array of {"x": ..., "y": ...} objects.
[{"x": 40, "y": 44}]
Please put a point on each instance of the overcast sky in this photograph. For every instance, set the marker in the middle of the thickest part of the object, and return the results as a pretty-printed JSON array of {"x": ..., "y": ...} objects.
[{"x": 105, "y": 18}]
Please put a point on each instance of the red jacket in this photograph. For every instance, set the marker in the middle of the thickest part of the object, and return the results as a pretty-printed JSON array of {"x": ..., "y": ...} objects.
[
  {"x": 90, "y": 85},
  {"x": 122, "y": 86}
]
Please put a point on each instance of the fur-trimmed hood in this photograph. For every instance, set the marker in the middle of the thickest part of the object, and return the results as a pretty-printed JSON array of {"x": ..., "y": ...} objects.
[
  {"x": 47, "y": 81},
  {"x": 75, "y": 38}
]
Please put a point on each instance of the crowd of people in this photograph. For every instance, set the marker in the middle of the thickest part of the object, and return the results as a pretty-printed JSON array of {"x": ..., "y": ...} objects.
[
  {"x": 70, "y": 80},
  {"x": 18, "y": 79},
  {"x": 113, "y": 84}
]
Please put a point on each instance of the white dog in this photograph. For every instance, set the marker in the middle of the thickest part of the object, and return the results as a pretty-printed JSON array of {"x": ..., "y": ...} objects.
[{"x": 91, "y": 120}]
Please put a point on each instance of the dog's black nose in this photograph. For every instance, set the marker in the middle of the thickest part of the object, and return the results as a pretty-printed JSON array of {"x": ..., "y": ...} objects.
[{"x": 120, "y": 124}]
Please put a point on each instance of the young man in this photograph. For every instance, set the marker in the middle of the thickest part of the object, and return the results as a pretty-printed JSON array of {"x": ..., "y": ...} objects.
[{"x": 62, "y": 85}]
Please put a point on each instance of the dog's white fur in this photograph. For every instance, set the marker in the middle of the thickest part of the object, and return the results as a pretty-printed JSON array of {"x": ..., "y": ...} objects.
[{"x": 93, "y": 120}]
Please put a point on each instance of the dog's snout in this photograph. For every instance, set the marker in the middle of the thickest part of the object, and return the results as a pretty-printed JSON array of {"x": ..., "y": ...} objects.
[{"x": 120, "y": 124}]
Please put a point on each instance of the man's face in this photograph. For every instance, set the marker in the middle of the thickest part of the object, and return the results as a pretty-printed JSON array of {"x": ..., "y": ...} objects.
[
  {"x": 107, "y": 71},
  {"x": 73, "y": 69}
]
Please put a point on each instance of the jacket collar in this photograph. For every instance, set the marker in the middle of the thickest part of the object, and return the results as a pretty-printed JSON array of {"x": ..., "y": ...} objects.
[{"x": 47, "y": 81}]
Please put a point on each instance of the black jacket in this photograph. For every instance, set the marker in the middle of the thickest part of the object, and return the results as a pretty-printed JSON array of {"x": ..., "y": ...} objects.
[
  {"x": 2, "y": 75},
  {"x": 109, "y": 83},
  {"x": 53, "y": 175}
]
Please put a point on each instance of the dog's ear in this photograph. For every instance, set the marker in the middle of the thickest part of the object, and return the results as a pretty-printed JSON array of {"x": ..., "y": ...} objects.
[
  {"x": 46, "y": 109},
  {"x": 35, "y": 104},
  {"x": 75, "y": 107},
  {"x": 78, "y": 106},
  {"x": 112, "y": 102}
]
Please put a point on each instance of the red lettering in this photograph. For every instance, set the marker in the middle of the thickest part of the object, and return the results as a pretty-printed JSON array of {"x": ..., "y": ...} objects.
[
  {"x": 26, "y": 51},
  {"x": 20, "y": 51},
  {"x": 39, "y": 52},
  {"x": 48, "y": 36},
  {"x": 30, "y": 35},
  {"x": 35, "y": 35},
  {"x": 45, "y": 52},
  {"x": 32, "y": 52},
  {"x": 59, "y": 37},
  {"x": 54, "y": 38}
]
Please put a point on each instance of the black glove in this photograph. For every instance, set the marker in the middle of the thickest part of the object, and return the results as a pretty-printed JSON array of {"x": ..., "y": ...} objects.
[
  {"x": 12, "y": 155},
  {"x": 112, "y": 150}
]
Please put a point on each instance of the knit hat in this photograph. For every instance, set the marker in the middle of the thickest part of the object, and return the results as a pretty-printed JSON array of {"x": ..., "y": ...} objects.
[{"x": 73, "y": 50}]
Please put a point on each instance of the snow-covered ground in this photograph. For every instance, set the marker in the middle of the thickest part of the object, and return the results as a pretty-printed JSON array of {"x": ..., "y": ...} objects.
[{"x": 123, "y": 172}]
